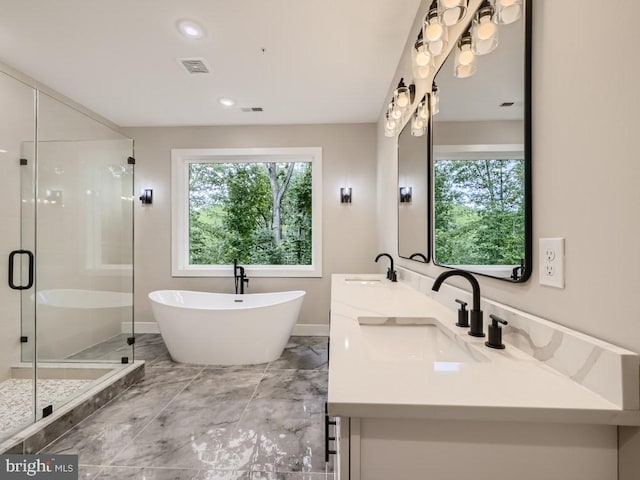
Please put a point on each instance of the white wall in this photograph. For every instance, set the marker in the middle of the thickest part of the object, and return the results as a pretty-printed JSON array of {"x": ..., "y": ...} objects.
[
  {"x": 349, "y": 235},
  {"x": 586, "y": 173}
]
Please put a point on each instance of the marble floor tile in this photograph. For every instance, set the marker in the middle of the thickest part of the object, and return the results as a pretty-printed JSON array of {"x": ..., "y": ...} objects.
[
  {"x": 230, "y": 383},
  {"x": 102, "y": 435},
  {"x": 293, "y": 384},
  {"x": 187, "y": 436},
  {"x": 165, "y": 361},
  {"x": 137, "y": 473},
  {"x": 88, "y": 472},
  {"x": 281, "y": 436},
  {"x": 304, "y": 353}
]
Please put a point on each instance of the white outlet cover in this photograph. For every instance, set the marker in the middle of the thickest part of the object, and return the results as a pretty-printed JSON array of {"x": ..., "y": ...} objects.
[{"x": 551, "y": 258}]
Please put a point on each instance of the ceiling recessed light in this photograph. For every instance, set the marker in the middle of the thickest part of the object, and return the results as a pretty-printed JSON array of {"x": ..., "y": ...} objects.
[
  {"x": 190, "y": 29},
  {"x": 227, "y": 102}
]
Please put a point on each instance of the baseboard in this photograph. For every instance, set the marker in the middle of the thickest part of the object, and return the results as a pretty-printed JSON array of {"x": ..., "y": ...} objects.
[
  {"x": 311, "y": 330},
  {"x": 301, "y": 329},
  {"x": 140, "y": 327}
]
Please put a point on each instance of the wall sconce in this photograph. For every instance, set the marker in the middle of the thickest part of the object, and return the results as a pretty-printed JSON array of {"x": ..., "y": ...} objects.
[
  {"x": 452, "y": 11},
  {"x": 345, "y": 195},
  {"x": 485, "y": 30},
  {"x": 147, "y": 196},
  {"x": 406, "y": 194},
  {"x": 466, "y": 62}
]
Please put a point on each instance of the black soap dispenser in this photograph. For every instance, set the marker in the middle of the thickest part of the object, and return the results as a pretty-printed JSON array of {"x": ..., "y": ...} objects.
[
  {"x": 495, "y": 333},
  {"x": 463, "y": 314}
]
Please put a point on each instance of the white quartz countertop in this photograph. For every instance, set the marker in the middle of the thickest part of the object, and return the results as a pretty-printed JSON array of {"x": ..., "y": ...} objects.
[{"x": 387, "y": 371}]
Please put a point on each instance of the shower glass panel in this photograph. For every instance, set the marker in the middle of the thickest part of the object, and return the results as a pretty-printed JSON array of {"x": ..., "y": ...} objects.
[
  {"x": 84, "y": 239},
  {"x": 17, "y": 162}
]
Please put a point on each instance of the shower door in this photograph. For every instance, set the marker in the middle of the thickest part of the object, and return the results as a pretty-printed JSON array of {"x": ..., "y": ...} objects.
[
  {"x": 84, "y": 252},
  {"x": 17, "y": 160}
]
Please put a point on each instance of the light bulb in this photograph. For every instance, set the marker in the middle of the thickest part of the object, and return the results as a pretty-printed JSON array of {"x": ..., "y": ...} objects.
[
  {"x": 466, "y": 57},
  {"x": 423, "y": 57},
  {"x": 434, "y": 31},
  {"x": 403, "y": 100},
  {"x": 396, "y": 113},
  {"x": 486, "y": 29}
]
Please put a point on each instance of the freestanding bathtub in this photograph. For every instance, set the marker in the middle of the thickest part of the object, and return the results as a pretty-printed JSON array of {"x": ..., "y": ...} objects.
[{"x": 225, "y": 329}]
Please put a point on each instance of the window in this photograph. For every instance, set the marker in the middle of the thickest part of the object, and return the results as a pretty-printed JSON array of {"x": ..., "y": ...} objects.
[
  {"x": 479, "y": 207},
  {"x": 261, "y": 206}
]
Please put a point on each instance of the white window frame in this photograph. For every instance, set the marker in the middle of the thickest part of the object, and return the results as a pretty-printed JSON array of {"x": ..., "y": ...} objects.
[{"x": 182, "y": 158}]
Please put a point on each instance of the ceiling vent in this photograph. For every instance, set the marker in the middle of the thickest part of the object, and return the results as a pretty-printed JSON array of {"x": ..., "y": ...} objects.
[
  {"x": 251, "y": 109},
  {"x": 194, "y": 65}
]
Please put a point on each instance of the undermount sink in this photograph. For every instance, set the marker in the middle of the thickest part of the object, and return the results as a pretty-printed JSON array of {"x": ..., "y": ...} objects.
[
  {"x": 415, "y": 339},
  {"x": 363, "y": 281}
]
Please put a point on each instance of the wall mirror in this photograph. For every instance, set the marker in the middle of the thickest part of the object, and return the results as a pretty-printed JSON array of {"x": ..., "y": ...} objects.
[
  {"x": 413, "y": 192},
  {"x": 481, "y": 155}
]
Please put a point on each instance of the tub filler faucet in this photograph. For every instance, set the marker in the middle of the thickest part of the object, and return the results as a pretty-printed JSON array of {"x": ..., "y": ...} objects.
[{"x": 239, "y": 277}]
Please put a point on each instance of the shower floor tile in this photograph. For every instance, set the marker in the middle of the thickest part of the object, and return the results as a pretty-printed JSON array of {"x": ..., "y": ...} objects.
[
  {"x": 16, "y": 399},
  {"x": 206, "y": 422}
]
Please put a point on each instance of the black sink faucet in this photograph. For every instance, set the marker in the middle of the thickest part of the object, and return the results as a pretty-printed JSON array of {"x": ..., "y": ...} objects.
[
  {"x": 391, "y": 273},
  {"x": 239, "y": 277},
  {"x": 476, "y": 329}
]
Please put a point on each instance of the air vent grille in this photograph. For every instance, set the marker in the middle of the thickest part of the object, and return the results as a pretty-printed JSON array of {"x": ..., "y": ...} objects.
[
  {"x": 194, "y": 65},
  {"x": 251, "y": 109}
]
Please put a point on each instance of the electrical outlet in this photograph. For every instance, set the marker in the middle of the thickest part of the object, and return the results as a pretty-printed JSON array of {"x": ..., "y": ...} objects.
[{"x": 551, "y": 253}]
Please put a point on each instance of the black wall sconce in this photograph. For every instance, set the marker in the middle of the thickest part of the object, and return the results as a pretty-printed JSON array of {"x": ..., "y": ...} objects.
[
  {"x": 147, "y": 196},
  {"x": 405, "y": 194},
  {"x": 345, "y": 195}
]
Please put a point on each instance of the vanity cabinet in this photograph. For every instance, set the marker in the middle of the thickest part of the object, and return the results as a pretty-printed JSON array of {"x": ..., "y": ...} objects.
[{"x": 408, "y": 449}]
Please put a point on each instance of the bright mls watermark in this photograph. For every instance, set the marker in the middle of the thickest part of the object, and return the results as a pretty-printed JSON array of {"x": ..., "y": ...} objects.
[{"x": 51, "y": 467}]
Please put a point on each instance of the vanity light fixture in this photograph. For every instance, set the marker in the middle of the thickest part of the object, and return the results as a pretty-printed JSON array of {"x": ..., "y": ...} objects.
[
  {"x": 435, "y": 32},
  {"x": 508, "y": 11},
  {"x": 423, "y": 63},
  {"x": 406, "y": 194},
  {"x": 390, "y": 125},
  {"x": 452, "y": 11},
  {"x": 485, "y": 30},
  {"x": 403, "y": 96},
  {"x": 423, "y": 108},
  {"x": 466, "y": 62},
  {"x": 190, "y": 29},
  {"x": 345, "y": 195},
  {"x": 434, "y": 100},
  {"x": 420, "y": 118},
  {"x": 147, "y": 196}
]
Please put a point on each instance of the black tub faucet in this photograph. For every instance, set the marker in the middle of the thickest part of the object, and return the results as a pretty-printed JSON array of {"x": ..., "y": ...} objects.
[
  {"x": 391, "y": 273},
  {"x": 476, "y": 329},
  {"x": 239, "y": 277}
]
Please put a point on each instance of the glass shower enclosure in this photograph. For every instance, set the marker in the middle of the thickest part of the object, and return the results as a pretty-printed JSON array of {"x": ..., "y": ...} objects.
[{"x": 66, "y": 310}]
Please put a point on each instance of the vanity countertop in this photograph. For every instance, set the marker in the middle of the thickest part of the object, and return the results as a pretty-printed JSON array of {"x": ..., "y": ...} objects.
[{"x": 390, "y": 373}]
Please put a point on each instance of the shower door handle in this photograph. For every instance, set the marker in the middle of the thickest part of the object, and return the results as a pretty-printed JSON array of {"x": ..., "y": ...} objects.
[{"x": 30, "y": 279}]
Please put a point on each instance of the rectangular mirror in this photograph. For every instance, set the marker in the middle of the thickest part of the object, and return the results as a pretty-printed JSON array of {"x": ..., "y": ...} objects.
[
  {"x": 481, "y": 153},
  {"x": 414, "y": 191}
]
